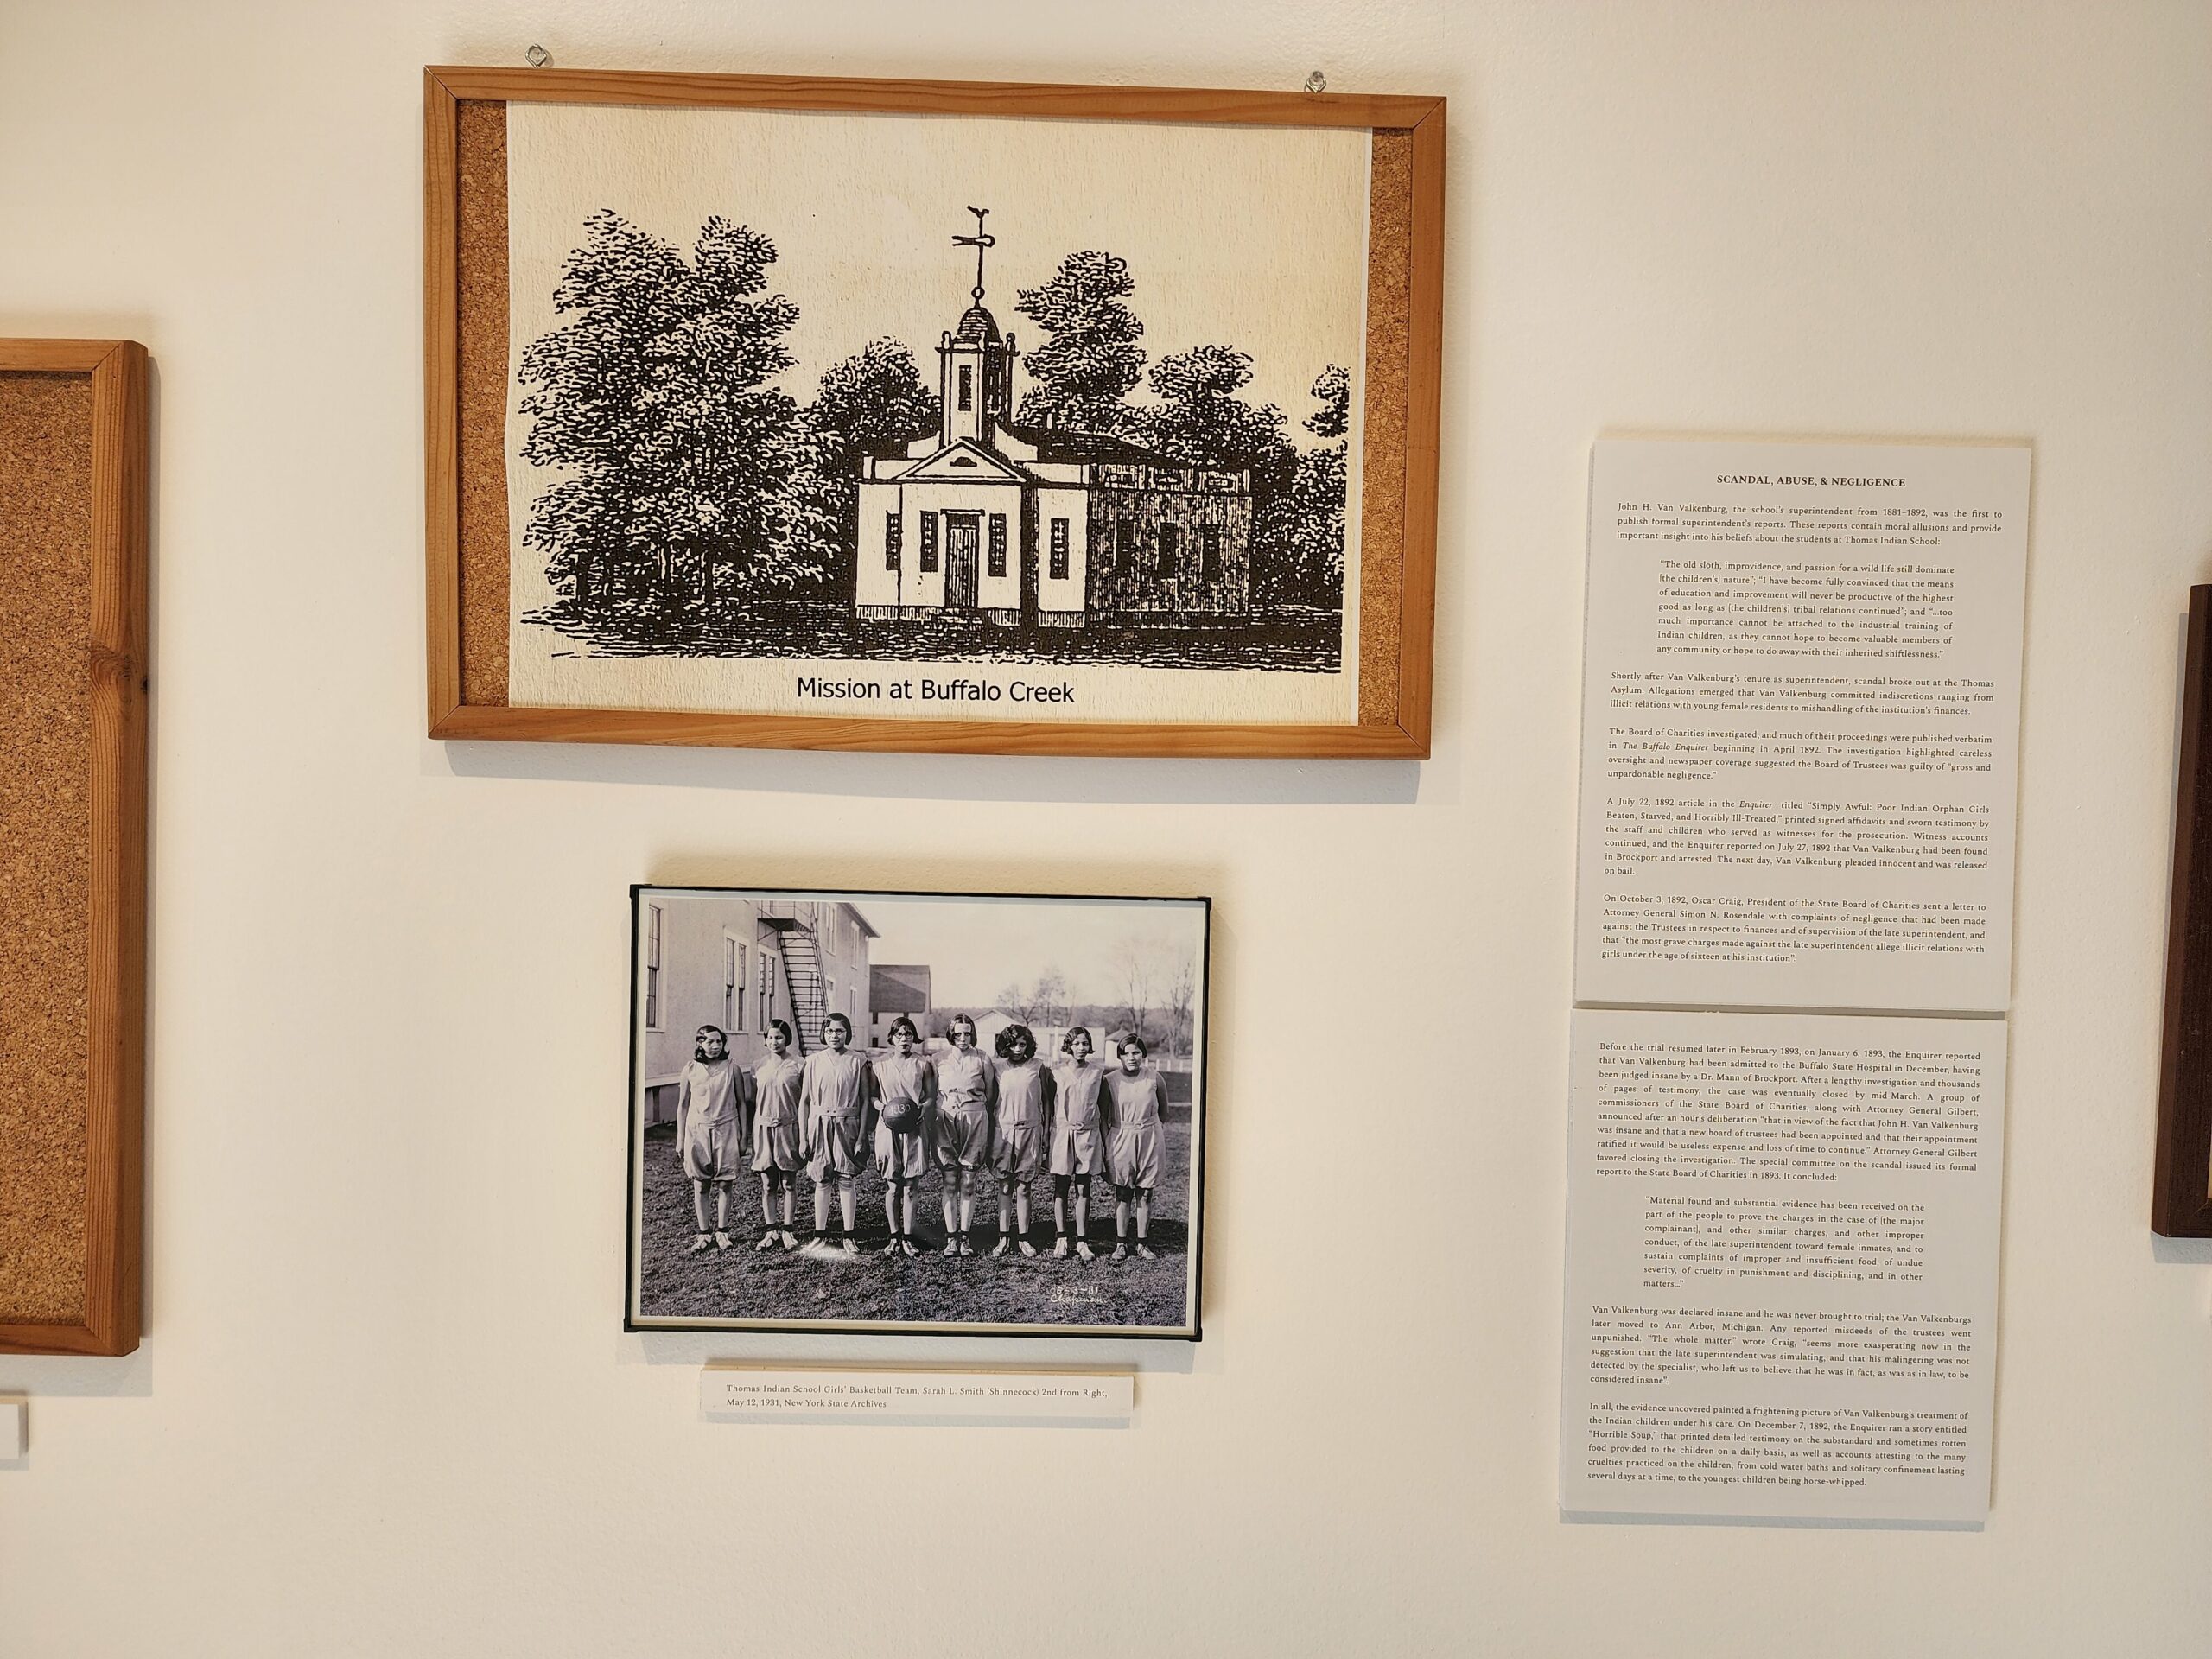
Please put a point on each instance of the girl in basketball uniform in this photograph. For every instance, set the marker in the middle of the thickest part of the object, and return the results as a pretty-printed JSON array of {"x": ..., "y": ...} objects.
[
  {"x": 1078, "y": 1149},
  {"x": 1135, "y": 1097},
  {"x": 776, "y": 1132},
  {"x": 836, "y": 1089},
  {"x": 1024, "y": 1104},
  {"x": 712, "y": 1098},
  {"x": 961, "y": 1135},
  {"x": 904, "y": 1087}
]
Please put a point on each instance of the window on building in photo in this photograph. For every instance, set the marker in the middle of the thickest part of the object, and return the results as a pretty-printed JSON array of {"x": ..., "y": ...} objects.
[
  {"x": 1060, "y": 565},
  {"x": 1210, "y": 552},
  {"x": 967, "y": 387},
  {"x": 929, "y": 541},
  {"x": 998, "y": 544},
  {"x": 1126, "y": 537},
  {"x": 733, "y": 984},
  {"x": 653, "y": 967},
  {"x": 1171, "y": 541},
  {"x": 766, "y": 983},
  {"x": 893, "y": 530}
]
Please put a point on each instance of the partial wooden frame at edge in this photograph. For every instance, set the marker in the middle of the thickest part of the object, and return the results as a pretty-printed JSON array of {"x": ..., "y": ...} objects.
[
  {"x": 116, "y": 912},
  {"x": 2181, "y": 1194},
  {"x": 1407, "y": 737}
]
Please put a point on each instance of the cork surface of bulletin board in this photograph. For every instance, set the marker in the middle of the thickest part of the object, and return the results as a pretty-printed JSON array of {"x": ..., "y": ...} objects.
[
  {"x": 469, "y": 371},
  {"x": 72, "y": 473},
  {"x": 45, "y": 722}
]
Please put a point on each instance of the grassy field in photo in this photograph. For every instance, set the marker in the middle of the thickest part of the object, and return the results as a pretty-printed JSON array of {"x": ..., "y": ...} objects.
[{"x": 743, "y": 1283}]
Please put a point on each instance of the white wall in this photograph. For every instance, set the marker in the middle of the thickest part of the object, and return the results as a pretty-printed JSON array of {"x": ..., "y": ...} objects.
[{"x": 385, "y": 1406}]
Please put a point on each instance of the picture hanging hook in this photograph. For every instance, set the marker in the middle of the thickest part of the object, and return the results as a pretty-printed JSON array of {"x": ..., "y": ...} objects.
[
  {"x": 1317, "y": 82},
  {"x": 536, "y": 57}
]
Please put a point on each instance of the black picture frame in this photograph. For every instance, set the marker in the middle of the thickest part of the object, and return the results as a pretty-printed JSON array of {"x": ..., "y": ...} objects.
[{"x": 637, "y": 1321}]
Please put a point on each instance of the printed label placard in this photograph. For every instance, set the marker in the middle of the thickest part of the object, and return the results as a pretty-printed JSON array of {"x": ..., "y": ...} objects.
[{"x": 760, "y": 1394}]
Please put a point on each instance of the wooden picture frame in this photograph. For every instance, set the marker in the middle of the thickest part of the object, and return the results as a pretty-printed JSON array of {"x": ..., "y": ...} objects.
[
  {"x": 467, "y": 376},
  {"x": 74, "y": 459},
  {"x": 2181, "y": 1194}
]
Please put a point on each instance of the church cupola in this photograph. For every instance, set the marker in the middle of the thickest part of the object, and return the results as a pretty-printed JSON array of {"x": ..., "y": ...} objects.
[{"x": 975, "y": 363}]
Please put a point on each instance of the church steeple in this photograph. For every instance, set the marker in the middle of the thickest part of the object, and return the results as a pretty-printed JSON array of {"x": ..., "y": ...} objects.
[{"x": 974, "y": 365}]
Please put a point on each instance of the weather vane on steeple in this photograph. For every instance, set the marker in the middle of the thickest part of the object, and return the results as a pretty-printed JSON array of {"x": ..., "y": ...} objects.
[{"x": 980, "y": 240}]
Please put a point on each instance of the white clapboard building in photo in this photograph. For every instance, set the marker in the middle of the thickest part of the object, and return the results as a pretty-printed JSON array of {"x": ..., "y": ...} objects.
[
  {"x": 994, "y": 520},
  {"x": 739, "y": 963}
]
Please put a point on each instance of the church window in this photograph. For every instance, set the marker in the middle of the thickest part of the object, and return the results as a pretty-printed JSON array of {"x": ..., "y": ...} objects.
[
  {"x": 1059, "y": 566},
  {"x": 1210, "y": 552},
  {"x": 894, "y": 533},
  {"x": 1171, "y": 539},
  {"x": 967, "y": 388},
  {"x": 929, "y": 541},
  {"x": 998, "y": 544}
]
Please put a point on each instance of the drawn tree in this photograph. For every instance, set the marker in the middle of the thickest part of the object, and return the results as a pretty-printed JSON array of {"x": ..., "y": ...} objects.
[
  {"x": 1091, "y": 359},
  {"x": 874, "y": 402},
  {"x": 811, "y": 554},
  {"x": 655, "y": 397},
  {"x": 1201, "y": 420},
  {"x": 1316, "y": 572}
]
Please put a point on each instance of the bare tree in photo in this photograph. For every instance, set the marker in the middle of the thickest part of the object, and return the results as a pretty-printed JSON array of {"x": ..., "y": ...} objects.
[
  {"x": 1054, "y": 998},
  {"x": 1182, "y": 991},
  {"x": 1135, "y": 963},
  {"x": 1044, "y": 1001}
]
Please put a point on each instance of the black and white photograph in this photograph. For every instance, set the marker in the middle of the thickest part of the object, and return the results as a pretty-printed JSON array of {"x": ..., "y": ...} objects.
[
  {"x": 921, "y": 415},
  {"x": 916, "y": 1112}
]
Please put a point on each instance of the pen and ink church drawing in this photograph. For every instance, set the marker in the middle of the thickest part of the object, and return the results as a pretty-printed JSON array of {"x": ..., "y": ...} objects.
[
  {"x": 1023, "y": 523},
  {"x": 693, "y": 507}
]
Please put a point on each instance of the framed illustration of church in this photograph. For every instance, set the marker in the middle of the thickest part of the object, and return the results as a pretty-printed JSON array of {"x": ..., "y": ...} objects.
[{"x": 930, "y": 416}]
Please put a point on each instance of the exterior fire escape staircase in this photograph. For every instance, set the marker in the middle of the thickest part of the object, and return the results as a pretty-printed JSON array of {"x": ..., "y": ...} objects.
[{"x": 802, "y": 958}]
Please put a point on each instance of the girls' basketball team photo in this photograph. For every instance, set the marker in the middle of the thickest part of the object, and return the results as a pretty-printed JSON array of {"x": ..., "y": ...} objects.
[{"x": 947, "y": 1112}]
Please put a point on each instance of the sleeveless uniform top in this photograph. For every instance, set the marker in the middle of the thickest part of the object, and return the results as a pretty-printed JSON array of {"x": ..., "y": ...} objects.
[
  {"x": 907, "y": 1079},
  {"x": 776, "y": 1086},
  {"x": 964, "y": 1081},
  {"x": 1077, "y": 1089},
  {"x": 1137, "y": 1100},
  {"x": 719, "y": 1089},
  {"x": 1023, "y": 1090},
  {"x": 836, "y": 1086}
]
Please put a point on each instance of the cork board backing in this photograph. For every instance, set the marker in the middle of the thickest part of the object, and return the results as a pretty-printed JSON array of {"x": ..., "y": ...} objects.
[
  {"x": 467, "y": 177},
  {"x": 46, "y": 722}
]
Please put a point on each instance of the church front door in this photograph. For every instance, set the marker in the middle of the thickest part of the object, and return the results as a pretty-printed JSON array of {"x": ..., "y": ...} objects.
[{"x": 960, "y": 540}]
